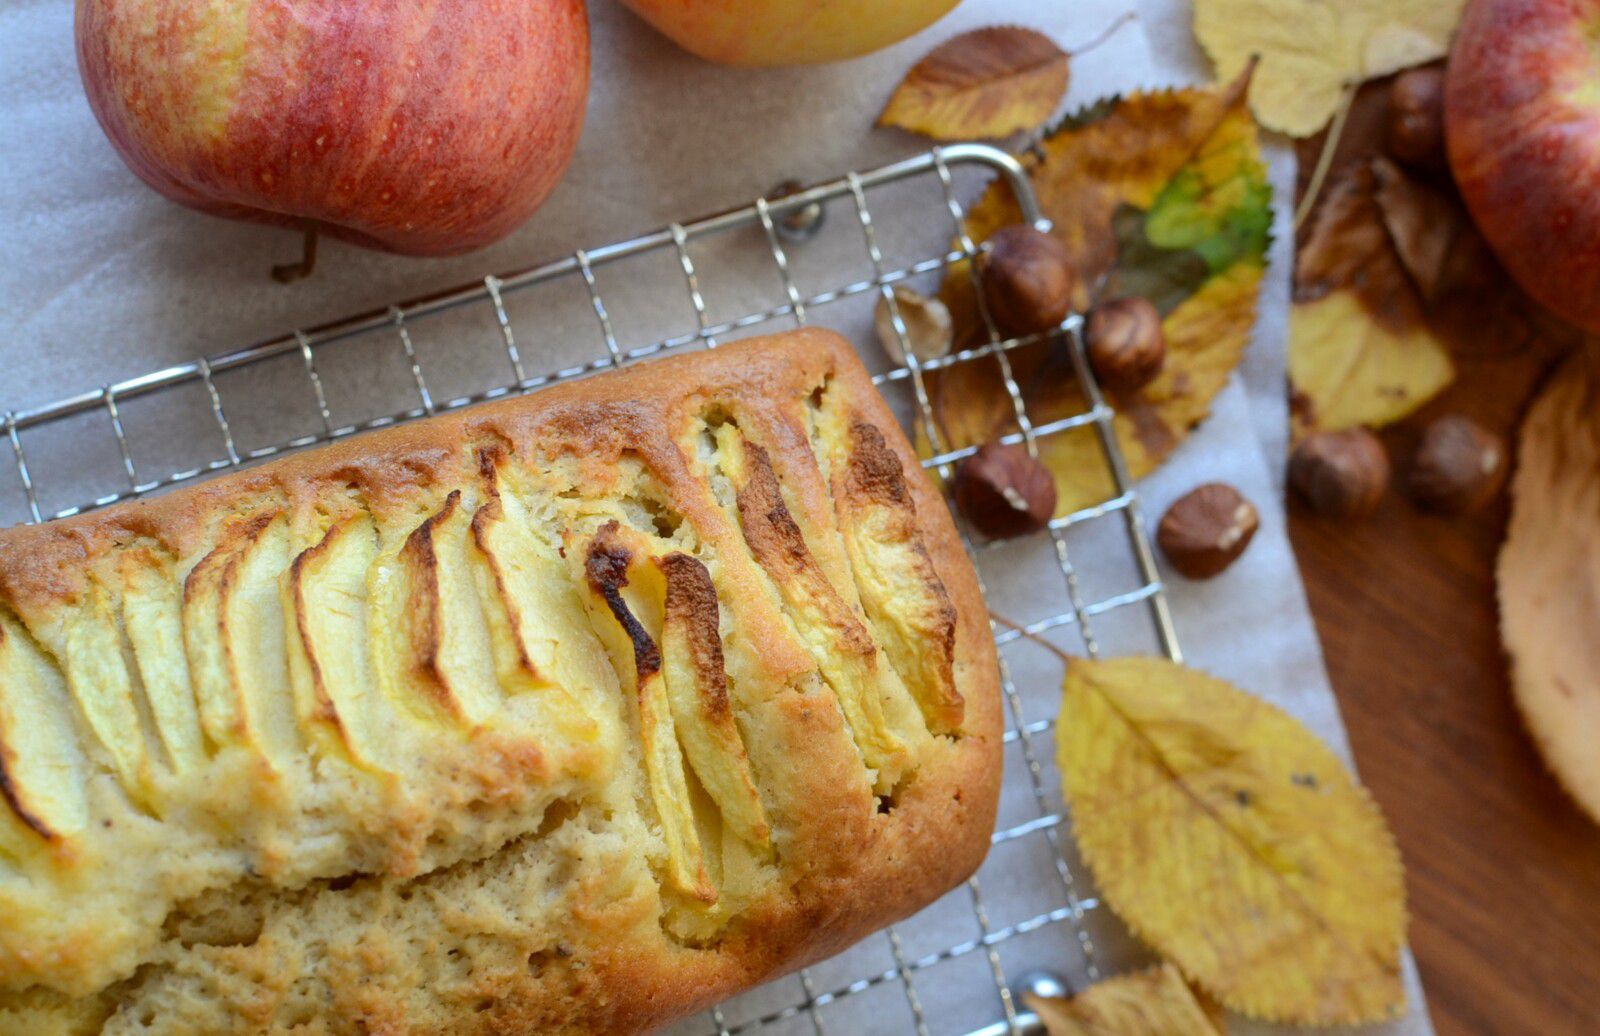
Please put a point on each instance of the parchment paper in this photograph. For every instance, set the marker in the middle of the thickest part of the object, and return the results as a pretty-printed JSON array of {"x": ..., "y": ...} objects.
[{"x": 101, "y": 279}]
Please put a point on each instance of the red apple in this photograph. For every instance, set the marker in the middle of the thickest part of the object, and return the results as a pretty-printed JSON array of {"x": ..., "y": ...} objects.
[
  {"x": 429, "y": 127},
  {"x": 1522, "y": 125}
]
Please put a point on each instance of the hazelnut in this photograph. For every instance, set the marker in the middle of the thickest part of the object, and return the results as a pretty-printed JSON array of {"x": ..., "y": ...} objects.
[
  {"x": 1459, "y": 465},
  {"x": 1005, "y": 491},
  {"x": 1340, "y": 474},
  {"x": 1027, "y": 280},
  {"x": 1126, "y": 346},
  {"x": 1415, "y": 131},
  {"x": 1206, "y": 529}
]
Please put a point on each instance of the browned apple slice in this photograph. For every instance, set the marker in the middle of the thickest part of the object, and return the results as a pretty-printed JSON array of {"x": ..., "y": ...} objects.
[
  {"x": 697, "y": 690},
  {"x": 42, "y": 767},
  {"x": 152, "y": 615},
  {"x": 233, "y": 624},
  {"x": 904, "y": 599},
  {"x": 838, "y": 640},
  {"x": 607, "y": 569},
  {"x": 541, "y": 641},
  {"x": 325, "y": 598},
  {"x": 443, "y": 659}
]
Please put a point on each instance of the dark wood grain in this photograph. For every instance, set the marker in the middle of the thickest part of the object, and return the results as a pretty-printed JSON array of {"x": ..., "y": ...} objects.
[{"x": 1503, "y": 870}]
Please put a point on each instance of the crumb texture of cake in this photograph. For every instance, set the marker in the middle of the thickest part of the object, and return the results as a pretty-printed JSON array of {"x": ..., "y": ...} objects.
[{"x": 570, "y": 713}]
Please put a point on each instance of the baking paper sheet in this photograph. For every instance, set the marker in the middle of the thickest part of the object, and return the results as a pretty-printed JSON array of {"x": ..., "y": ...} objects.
[{"x": 101, "y": 279}]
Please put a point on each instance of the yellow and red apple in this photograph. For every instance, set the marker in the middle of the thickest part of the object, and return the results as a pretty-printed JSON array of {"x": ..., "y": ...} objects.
[
  {"x": 787, "y": 32},
  {"x": 429, "y": 127},
  {"x": 1522, "y": 126}
]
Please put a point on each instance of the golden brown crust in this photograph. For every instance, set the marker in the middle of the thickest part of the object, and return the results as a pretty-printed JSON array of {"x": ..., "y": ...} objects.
[{"x": 846, "y": 866}]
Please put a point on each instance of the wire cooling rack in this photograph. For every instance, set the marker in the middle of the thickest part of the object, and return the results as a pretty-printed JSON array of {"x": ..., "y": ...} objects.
[{"x": 1029, "y": 919}]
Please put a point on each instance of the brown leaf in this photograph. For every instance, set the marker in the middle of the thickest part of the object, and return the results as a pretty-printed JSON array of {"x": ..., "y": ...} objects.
[
  {"x": 1360, "y": 349},
  {"x": 1469, "y": 300},
  {"x": 1349, "y": 247},
  {"x": 985, "y": 83},
  {"x": 1427, "y": 227}
]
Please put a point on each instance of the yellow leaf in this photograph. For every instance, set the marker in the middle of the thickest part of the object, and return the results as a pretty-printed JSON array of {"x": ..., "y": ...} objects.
[
  {"x": 1349, "y": 370},
  {"x": 1360, "y": 350},
  {"x": 1546, "y": 578},
  {"x": 1184, "y": 162},
  {"x": 1309, "y": 51},
  {"x": 1233, "y": 841},
  {"x": 1154, "y": 1002},
  {"x": 984, "y": 83},
  {"x": 1084, "y": 173}
]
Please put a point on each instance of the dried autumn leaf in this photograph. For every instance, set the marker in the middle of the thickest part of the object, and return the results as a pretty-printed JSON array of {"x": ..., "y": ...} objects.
[
  {"x": 1470, "y": 302},
  {"x": 1428, "y": 228},
  {"x": 1233, "y": 841},
  {"x": 1309, "y": 51},
  {"x": 1546, "y": 577},
  {"x": 1153, "y": 1002},
  {"x": 1159, "y": 194},
  {"x": 1360, "y": 349},
  {"x": 985, "y": 83}
]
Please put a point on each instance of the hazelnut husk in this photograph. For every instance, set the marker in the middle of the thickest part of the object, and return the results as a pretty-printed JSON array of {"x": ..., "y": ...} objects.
[
  {"x": 1027, "y": 280},
  {"x": 1125, "y": 343},
  {"x": 1206, "y": 529},
  {"x": 1414, "y": 133},
  {"x": 1004, "y": 491},
  {"x": 929, "y": 330},
  {"x": 1340, "y": 474},
  {"x": 1459, "y": 465}
]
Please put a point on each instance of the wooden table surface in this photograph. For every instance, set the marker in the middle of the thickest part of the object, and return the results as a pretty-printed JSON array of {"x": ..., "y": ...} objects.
[{"x": 1503, "y": 870}]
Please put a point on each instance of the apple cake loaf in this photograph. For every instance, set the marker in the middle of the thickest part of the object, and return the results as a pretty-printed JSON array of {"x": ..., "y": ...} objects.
[{"x": 571, "y": 713}]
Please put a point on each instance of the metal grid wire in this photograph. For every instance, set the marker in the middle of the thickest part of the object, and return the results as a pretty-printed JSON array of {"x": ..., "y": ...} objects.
[{"x": 903, "y": 967}]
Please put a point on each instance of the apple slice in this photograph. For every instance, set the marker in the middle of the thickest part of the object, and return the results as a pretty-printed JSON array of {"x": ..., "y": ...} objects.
[
  {"x": 697, "y": 690},
  {"x": 42, "y": 767},
  {"x": 87, "y": 643},
  {"x": 430, "y": 640},
  {"x": 325, "y": 597},
  {"x": 607, "y": 571},
  {"x": 541, "y": 641},
  {"x": 152, "y": 615},
  {"x": 904, "y": 599},
  {"x": 839, "y": 642},
  {"x": 233, "y": 625}
]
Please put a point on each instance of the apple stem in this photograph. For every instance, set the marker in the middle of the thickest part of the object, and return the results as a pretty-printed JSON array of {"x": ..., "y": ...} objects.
[{"x": 288, "y": 273}]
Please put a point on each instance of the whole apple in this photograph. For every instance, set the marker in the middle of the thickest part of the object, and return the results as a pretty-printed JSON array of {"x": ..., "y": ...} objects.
[
  {"x": 787, "y": 32},
  {"x": 1522, "y": 126},
  {"x": 429, "y": 127}
]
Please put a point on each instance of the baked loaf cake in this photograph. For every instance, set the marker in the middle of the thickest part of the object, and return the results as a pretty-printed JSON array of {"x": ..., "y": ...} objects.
[{"x": 566, "y": 714}]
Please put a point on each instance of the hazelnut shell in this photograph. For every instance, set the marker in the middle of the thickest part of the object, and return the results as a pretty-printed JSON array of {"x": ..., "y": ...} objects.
[
  {"x": 1125, "y": 343},
  {"x": 1004, "y": 491},
  {"x": 1340, "y": 474},
  {"x": 1028, "y": 281},
  {"x": 1414, "y": 133},
  {"x": 1459, "y": 465},
  {"x": 1206, "y": 529}
]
